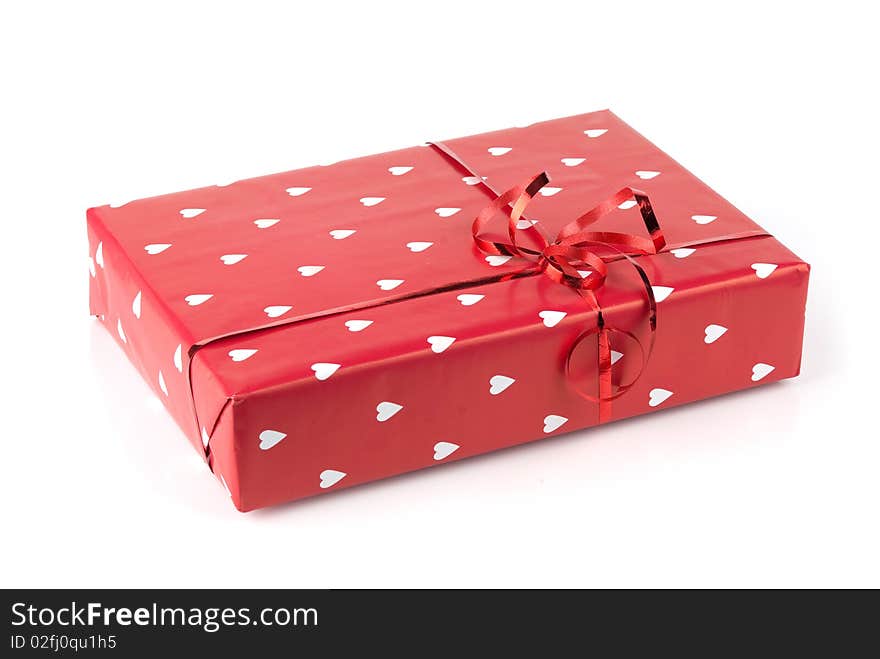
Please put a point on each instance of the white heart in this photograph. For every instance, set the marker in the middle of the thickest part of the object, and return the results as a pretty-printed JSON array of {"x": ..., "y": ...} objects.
[
  {"x": 657, "y": 396},
  {"x": 595, "y": 132},
  {"x": 297, "y": 192},
  {"x": 626, "y": 205},
  {"x": 497, "y": 259},
  {"x": 661, "y": 292},
  {"x": 498, "y": 383},
  {"x": 371, "y": 201},
  {"x": 440, "y": 343},
  {"x": 206, "y": 439},
  {"x": 324, "y": 370},
  {"x": 92, "y": 267},
  {"x": 443, "y": 450},
  {"x": 646, "y": 175},
  {"x": 549, "y": 191},
  {"x": 553, "y": 422},
  {"x": 760, "y": 370},
  {"x": 232, "y": 259},
  {"x": 269, "y": 438},
  {"x": 275, "y": 311},
  {"x": 399, "y": 171},
  {"x": 572, "y": 162},
  {"x": 309, "y": 270},
  {"x": 704, "y": 219},
  {"x": 552, "y": 318},
  {"x": 446, "y": 212},
  {"x": 266, "y": 223},
  {"x": 329, "y": 478},
  {"x": 385, "y": 410},
  {"x": 714, "y": 332},
  {"x": 178, "y": 358},
  {"x": 418, "y": 247},
  {"x": 191, "y": 212},
  {"x": 389, "y": 284},
  {"x": 469, "y": 299},
  {"x": 498, "y": 150},
  {"x": 156, "y": 248},
  {"x": 764, "y": 270},
  {"x": 196, "y": 300},
  {"x": 682, "y": 252},
  {"x": 120, "y": 331},
  {"x": 241, "y": 354},
  {"x": 615, "y": 357},
  {"x": 473, "y": 180},
  {"x": 357, "y": 325},
  {"x": 342, "y": 234},
  {"x": 136, "y": 305},
  {"x": 162, "y": 384},
  {"x": 99, "y": 254}
]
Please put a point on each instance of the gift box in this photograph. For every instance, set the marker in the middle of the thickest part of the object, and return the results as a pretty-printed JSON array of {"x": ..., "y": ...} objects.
[{"x": 325, "y": 327}]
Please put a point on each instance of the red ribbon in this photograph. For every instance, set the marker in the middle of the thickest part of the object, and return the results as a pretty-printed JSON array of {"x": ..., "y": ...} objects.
[{"x": 565, "y": 260}]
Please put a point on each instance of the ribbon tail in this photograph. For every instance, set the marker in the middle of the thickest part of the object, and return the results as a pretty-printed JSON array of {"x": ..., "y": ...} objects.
[{"x": 605, "y": 387}]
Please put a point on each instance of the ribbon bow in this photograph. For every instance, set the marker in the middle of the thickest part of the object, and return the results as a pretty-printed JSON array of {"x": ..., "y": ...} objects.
[{"x": 578, "y": 258}]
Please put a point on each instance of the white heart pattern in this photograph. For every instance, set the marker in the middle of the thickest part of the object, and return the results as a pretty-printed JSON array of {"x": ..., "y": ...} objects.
[
  {"x": 595, "y": 132},
  {"x": 389, "y": 284},
  {"x": 156, "y": 248},
  {"x": 572, "y": 162},
  {"x": 682, "y": 252},
  {"x": 232, "y": 259},
  {"x": 372, "y": 201},
  {"x": 657, "y": 396},
  {"x": 241, "y": 354},
  {"x": 553, "y": 422},
  {"x": 309, "y": 270},
  {"x": 498, "y": 383},
  {"x": 550, "y": 191},
  {"x": 418, "y": 246},
  {"x": 760, "y": 371},
  {"x": 342, "y": 234},
  {"x": 329, "y": 478},
  {"x": 661, "y": 292},
  {"x": 399, "y": 171},
  {"x": 440, "y": 343},
  {"x": 324, "y": 370},
  {"x": 704, "y": 219},
  {"x": 386, "y": 409},
  {"x": 297, "y": 192},
  {"x": 196, "y": 300},
  {"x": 162, "y": 384},
  {"x": 190, "y": 213},
  {"x": 120, "y": 331},
  {"x": 136, "y": 305},
  {"x": 498, "y": 150},
  {"x": 647, "y": 175},
  {"x": 552, "y": 318},
  {"x": 277, "y": 310},
  {"x": 357, "y": 325},
  {"x": 99, "y": 254},
  {"x": 443, "y": 450},
  {"x": 446, "y": 212},
  {"x": 178, "y": 358},
  {"x": 266, "y": 223},
  {"x": 270, "y": 438},
  {"x": 764, "y": 270},
  {"x": 713, "y": 333},
  {"x": 626, "y": 205},
  {"x": 615, "y": 357},
  {"x": 497, "y": 259},
  {"x": 469, "y": 299}
]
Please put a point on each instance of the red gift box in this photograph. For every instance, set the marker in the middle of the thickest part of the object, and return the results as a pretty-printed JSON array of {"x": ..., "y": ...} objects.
[{"x": 330, "y": 326}]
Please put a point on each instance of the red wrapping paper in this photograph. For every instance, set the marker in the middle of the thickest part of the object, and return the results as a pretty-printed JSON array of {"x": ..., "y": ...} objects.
[{"x": 356, "y": 381}]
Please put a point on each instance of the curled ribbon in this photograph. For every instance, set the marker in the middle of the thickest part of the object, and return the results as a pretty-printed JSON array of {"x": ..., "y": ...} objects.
[{"x": 565, "y": 260}]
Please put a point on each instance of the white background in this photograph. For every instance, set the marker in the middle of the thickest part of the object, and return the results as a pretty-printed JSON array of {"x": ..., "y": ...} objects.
[{"x": 774, "y": 106}]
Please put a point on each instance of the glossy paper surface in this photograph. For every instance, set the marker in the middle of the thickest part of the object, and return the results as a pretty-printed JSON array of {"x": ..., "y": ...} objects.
[{"x": 320, "y": 404}]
